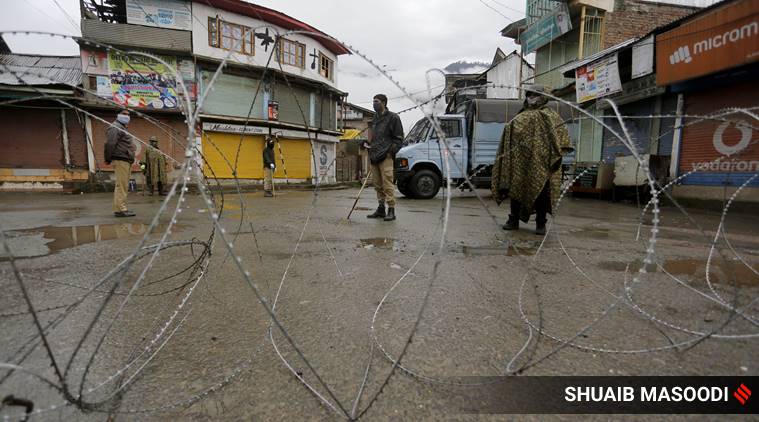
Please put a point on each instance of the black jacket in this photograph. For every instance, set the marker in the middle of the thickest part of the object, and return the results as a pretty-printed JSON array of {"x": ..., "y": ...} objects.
[
  {"x": 387, "y": 136},
  {"x": 269, "y": 157}
]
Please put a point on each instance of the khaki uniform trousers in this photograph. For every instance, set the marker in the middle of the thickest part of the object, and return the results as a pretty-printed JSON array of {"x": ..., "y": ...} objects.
[
  {"x": 382, "y": 176},
  {"x": 268, "y": 179},
  {"x": 122, "y": 170}
]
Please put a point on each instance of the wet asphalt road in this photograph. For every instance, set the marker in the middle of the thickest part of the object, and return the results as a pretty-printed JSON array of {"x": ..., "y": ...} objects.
[{"x": 330, "y": 275}]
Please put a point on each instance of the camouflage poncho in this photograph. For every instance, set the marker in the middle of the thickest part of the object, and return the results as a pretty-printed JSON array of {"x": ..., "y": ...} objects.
[
  {"x": 530, "y": 155},
  {"x": 155, "y": 166}
]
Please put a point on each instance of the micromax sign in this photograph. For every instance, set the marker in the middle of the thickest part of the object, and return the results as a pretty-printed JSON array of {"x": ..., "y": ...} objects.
[{"x": 720, "y": 39}]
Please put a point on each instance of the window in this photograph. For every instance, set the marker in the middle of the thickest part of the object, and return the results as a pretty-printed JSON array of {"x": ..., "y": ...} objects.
[
  {"x": 451, "y": 129},
  {"x": 326, "y": 66},
  {"x": 591, "y": 31},
  {"x": 230, "y": 36},
  {"x": 418, "y": 133},
  {"x": 292, "y": 53}
]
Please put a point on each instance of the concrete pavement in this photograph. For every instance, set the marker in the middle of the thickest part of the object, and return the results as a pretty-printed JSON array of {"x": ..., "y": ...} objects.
[{"x": 329, "y": 290}]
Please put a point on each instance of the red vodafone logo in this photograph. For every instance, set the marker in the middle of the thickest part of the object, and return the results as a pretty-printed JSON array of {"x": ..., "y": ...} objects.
[{"x": 719, "y": 141}]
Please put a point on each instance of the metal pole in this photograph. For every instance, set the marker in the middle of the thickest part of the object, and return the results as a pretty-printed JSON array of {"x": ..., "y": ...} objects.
[
  {"x": 521, "y": 63},
  {"x": 677, "y": 138}
]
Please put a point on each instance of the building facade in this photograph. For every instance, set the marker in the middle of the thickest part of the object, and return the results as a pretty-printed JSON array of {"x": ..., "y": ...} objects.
[
  {"x": 278, "y": 79},
  {"x": 564, "y": 32},
  {"x": 710, "y": 60},
  {"x": 505, "y": 75},
  {"x": 293, "y": 99},
  {"x": 42, "y": 142},
  {"x": 148, "y": 82}
]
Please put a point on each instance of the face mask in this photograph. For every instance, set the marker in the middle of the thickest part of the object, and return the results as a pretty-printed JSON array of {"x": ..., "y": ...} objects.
[
  {"x": 533, "y": 101},
  {"x": 123, "y": 119},
  {"x": 377, "y": 107}
]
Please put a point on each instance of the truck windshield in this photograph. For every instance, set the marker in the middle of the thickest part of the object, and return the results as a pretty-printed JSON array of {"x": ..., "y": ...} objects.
[
  {"x": 418, "y": 133},
  {"x": 451, "y": 129}
]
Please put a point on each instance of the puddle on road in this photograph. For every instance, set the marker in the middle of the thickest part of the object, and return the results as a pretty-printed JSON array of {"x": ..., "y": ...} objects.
[
  {"x": 47, "y": 240},
  {"x": 498, "y": 250},
  {"x": 381, "y": 243},
  {"x": 720, "y": 272}
]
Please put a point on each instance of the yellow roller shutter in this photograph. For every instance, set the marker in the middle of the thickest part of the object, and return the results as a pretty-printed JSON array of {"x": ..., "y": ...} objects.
[
  {"x": 297, "y": 156},
  {"x": 220, "y": 151}
]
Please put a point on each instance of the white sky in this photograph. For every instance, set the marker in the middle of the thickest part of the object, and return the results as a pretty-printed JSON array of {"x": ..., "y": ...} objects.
[{"x": 408, "y": 37}]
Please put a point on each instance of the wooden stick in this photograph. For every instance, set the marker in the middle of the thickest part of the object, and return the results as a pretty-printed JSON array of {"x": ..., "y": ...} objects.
[{"x": 366, "y": 179}]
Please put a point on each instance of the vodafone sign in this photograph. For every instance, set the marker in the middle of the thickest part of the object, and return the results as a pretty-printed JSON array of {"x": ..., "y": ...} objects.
[
  {"x": 732, "y": 143},
  {"x": 720, "y": 39},
  {"x": 719, "y": 137}
]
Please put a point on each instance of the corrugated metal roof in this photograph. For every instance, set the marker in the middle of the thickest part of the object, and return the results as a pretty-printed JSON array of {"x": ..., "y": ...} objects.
[
  {"x": 40, "y": 70},
  {"x": 593, "y": 57},
  {"x": 515, "y": 28}
]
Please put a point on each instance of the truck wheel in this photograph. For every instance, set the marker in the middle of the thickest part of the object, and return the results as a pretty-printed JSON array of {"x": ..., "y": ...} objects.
[
  {"x": 425, "y": 184},
  {"x": 404, "y": 189}
]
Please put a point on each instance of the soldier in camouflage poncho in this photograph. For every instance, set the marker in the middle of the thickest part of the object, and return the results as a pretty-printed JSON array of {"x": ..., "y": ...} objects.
[
  {"x": 155, "y": 167},
  {"x": 528, "y": 163}
]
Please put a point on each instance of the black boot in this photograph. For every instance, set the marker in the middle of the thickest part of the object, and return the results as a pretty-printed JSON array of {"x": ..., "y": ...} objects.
[
  {"x": 380, "y": 213},
  {"x": 540, "y": 227},
  {"x": 512, "y": 223},
  {"x": 390, "y": 214},
  {"x": 160, "y": 189}
]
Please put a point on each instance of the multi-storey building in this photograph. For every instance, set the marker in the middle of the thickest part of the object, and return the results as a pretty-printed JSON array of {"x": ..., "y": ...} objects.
[
  {"x": 561, "y": 32},
  {"x": 278, "y": 79}
]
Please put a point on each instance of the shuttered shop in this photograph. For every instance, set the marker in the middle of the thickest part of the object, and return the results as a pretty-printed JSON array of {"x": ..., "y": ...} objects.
[
  {"x": 639, "y": 129},
  {"x": 33, "y": 139},
  {"x": 297, "y": 157},
  {"x": 220, "y": 151},
  {"x": 704, "y": 142}
]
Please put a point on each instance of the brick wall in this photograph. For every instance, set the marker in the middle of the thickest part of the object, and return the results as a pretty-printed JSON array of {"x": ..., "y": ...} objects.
[{"x": 633, "y": 18}]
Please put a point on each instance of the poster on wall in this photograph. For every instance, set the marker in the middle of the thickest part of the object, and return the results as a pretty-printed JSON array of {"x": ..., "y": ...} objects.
[
  {"x": 186, "y": 69},
  {"x": 597, "y": 79},
  {"x": 104, "y": 87},
  {"x": 643, "y": 57},
  {"x": 172, "y": 14},
  {"x": 94, "y": 62},
  {"x": 138, "y": 81}
]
